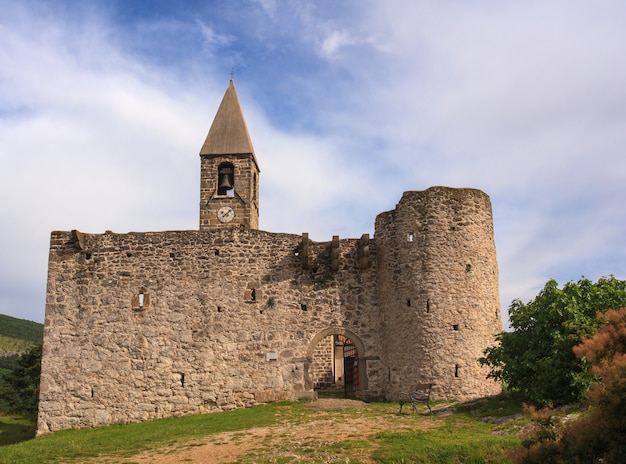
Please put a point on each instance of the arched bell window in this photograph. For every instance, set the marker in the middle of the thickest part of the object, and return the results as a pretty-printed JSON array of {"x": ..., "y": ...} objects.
[{"x": 226, "y": 179}]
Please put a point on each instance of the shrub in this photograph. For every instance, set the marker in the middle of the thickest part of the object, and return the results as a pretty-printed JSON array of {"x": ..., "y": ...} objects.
[
  {"x": 537, "y": 358},
  {"x": 599, "y": 435}
]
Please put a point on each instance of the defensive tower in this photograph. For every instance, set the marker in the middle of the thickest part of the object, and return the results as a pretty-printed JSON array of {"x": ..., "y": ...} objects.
[{"x": 438, "y": 290}]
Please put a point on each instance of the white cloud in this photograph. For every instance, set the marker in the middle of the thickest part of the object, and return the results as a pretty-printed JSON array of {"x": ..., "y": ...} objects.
[
  {"x": 101, "y": 123},
  {"x": 333, "y": 41}
]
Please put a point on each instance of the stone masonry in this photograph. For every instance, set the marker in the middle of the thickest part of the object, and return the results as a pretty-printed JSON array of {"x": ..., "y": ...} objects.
[{"x": 156, "y": 324}]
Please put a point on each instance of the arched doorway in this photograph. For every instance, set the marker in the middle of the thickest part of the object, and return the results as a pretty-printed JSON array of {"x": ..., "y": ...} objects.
[{"x": 333, "y": 365}]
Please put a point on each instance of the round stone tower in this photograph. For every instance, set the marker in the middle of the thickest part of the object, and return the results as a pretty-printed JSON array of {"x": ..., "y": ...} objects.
[{"x": 438, "y": 291}]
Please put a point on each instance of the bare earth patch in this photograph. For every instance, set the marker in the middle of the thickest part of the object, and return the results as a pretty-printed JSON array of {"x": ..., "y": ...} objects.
[{"x": 228, "y": 447}]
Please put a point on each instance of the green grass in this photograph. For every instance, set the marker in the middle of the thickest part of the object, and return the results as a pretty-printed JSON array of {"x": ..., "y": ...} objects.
[
  {"x": 127, "y": 440},
  {"x": 459, "y": 440},
  {"x": 460, "y": 437}
]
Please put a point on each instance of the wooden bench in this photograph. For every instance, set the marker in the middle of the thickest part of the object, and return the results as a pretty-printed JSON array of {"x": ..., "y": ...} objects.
[{"x": 421, "y": 394}]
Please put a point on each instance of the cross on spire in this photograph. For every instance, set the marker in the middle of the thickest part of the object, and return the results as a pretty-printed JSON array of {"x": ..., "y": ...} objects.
[{"x": 232, "y": 73}]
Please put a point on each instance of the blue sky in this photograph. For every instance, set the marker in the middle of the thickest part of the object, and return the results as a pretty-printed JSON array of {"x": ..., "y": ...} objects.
[{"x": 104, "y": 106}]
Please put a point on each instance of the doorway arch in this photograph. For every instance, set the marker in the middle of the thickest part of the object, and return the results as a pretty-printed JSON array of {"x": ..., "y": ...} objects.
[{"x": 357, "y": 353}]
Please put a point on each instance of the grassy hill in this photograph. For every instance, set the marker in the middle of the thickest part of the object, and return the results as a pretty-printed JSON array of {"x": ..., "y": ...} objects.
[
  {"x": 21, "y": 329},
  {"x": 17, "y": 336}
]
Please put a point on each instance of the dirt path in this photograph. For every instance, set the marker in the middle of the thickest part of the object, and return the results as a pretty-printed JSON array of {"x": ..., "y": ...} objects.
[{"x": 228, "y": 447}]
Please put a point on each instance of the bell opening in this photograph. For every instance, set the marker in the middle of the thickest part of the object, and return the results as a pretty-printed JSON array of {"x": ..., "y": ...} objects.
[{"x": 226, "y": 180}]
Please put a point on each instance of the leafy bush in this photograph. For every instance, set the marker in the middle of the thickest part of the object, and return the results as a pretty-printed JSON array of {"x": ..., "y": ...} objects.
[
  {"x": 537, "y": 358},
  {"x": 599, "y": 435}
]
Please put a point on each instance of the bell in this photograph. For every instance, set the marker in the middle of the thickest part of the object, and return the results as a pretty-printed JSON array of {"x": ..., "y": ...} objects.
[{"x": 225, "y": 183}]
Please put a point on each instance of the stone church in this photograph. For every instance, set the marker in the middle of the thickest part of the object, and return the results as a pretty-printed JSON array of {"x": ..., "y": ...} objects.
[{"x": 155, "y": 324}]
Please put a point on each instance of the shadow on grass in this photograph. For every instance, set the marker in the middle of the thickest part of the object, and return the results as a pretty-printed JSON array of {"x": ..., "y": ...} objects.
[{"x": 14, "y": 429}]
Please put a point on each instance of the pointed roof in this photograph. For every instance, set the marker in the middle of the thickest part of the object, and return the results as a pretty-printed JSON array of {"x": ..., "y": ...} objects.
[{"x": 228, "y": 134}]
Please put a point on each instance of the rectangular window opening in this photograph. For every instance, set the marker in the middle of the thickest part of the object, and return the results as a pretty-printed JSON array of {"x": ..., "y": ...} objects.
[
  {"x": 456, "y": 370},
  {"x": 141, "y": 299},
  {"x": 410, "y": 237}
]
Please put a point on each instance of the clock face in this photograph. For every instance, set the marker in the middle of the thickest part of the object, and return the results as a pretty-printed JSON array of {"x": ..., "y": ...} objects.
[{"x": 225, "y": 214}]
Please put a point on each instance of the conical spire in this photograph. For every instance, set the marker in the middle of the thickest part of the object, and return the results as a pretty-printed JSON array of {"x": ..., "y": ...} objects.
[{"x": 228, "y": 134}]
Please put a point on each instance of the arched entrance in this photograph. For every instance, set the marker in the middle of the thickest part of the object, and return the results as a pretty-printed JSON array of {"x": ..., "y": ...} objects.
[{"x": 333, "y": 366}]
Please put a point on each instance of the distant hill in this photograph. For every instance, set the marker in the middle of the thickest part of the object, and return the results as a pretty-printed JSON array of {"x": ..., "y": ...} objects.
[
  {"x": 21, "y": 329},
  {"x": 16, "y": 337}
]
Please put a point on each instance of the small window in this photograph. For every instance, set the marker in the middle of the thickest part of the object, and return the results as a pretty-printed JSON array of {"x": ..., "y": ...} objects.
[
  {"x": 141, "y": 300},
  {"x": 410, "y": 237},
  {"x": 457, "y": 370},
  {"x": 455, "y": 327}
]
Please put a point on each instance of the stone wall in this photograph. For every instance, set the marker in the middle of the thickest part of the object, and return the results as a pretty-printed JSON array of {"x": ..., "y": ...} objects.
[
  {"x": 148, "y": 325},
  {"x": 322, "y": 364}
]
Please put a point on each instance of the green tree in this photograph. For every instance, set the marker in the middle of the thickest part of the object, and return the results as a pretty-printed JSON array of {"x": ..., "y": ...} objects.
[
  {"x": 19, "y": 388},
  {"x": 536, "y": 358},
  {"x": 598, "y": 435}
]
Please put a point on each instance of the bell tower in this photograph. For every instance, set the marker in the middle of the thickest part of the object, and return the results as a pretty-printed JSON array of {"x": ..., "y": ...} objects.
[{"x": 229, "y": 172}]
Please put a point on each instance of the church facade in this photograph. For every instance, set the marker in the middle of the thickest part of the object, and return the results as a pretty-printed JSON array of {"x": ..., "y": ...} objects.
[{"x": 148, "y": 325}]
